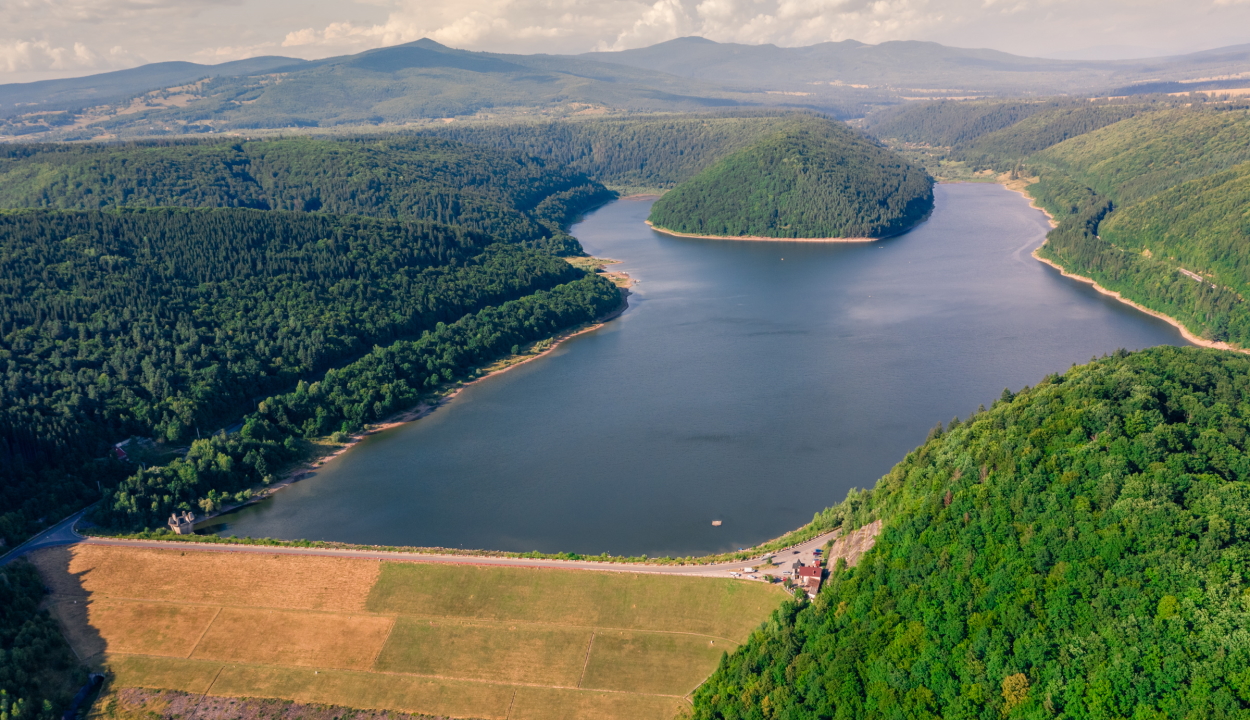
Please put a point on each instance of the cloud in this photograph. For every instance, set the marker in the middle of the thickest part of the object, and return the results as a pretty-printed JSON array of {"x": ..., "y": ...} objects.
[
  {"x": 41, "y": 55},
  {"x": 580, "y": 25}
]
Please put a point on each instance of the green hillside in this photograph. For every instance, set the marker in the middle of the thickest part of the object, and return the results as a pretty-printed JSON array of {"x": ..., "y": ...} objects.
[
  {"x": 1134, "y": 159},
  {"x": 1149, "y": 196},
  {"x": 513, "y": 197},
  {"x": 811, "y": 178},
  {"x": 170, "y": 323},
  {"x": 630, "y": 154},
  {"x": 1077, "y": 551}
]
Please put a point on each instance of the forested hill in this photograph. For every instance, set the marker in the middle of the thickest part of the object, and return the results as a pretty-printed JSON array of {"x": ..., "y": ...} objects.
[
  {"x": 513, "y": 197},
  {"x": 170, "y": 323},
  {"x": 1077, "y": 551},
  {"x": 1150, "y": 194},
  {"x": 647, "y": 153},
  {"x": 808, "y": 178}
]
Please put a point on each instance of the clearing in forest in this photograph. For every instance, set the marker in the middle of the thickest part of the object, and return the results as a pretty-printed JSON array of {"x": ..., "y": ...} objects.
[{"x": 469, "y": 641}]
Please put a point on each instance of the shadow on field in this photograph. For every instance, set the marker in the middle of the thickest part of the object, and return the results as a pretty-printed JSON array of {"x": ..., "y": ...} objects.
[{"x": 70, "y": 602}]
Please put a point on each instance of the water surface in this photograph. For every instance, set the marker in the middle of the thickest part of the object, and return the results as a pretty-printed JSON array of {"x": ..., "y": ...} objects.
[{"x": 752, "y": 383}]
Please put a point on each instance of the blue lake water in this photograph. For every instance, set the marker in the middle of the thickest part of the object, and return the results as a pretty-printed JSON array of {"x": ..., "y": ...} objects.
[{"x": 753, "y": 383}]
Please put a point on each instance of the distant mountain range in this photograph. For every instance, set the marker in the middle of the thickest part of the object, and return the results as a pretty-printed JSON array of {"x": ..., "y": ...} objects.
[{"x": 424, "y": 80}]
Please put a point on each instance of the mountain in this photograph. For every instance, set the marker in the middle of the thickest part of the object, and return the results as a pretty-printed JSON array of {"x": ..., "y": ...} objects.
[
  {"x": 423, "y": 81},
  {"x": 113, "y": 86},
  {"x": 400, "y": 84},
  {"x": 808, "y": 178},
  {"x": 912, "y": 67}
]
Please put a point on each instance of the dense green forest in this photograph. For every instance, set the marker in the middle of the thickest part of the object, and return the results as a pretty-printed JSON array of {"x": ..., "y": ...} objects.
[
  {"x": 514, "y": 197},
  {"x": 1080, "y": 550},
  {"x": 386, "y": 380},
  {"x": 809, "y": 178},
  {"x": 632, "y": 154},
  {"x": 170, "y": 322},
  {"x": 38, "y": 671},
  {"x": 1149, "y": 195}
]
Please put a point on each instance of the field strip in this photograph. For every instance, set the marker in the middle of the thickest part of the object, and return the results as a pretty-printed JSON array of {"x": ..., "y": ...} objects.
[
  {"x": 201, "y": 637},
  {"x": 451, "y": 619},
  {"x": 447, "y": 678},
  {"x": 385, "y": 640},
  {"x": 590, "y": 646}
]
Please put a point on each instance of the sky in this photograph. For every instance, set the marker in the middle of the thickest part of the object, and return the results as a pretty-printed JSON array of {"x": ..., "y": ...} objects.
[{"x": 41, "y": 39}]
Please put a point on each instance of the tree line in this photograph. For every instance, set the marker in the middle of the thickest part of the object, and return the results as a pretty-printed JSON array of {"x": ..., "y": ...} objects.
[
  {"x": 169, "y": 323},
  {"x": 1079, "y": 550}
]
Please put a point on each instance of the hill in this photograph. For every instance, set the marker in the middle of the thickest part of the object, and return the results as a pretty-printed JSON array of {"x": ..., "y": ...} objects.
[
  {"x": 1149, "y": 193},
  {"x": 393, "y": 85},
  {"x": 71, "y": 93},
  {"x": 172, "y": 323},
  {"x": 513, "y": 197},
  {"x": 809, "y": 178},
  {"x": 647, "y": 153},
  {"x": 1069, "y": 553}
]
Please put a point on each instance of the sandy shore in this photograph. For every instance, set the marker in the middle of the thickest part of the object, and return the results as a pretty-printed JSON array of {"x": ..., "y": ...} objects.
[{"x": 758, "y": 238}]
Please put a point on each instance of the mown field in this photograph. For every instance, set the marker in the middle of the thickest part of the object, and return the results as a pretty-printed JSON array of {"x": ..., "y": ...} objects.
[{"x": 451, "y": 640}]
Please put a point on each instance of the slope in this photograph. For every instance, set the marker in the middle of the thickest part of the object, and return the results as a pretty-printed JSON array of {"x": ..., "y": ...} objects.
[
  {"x": 647, "y": 153},
  {"x": 1072, "y": 552},
  {"x": 810, "y": 178},
  {"x": 513, "y": 197}
]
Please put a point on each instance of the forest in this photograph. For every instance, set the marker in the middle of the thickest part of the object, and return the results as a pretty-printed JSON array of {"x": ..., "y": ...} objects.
[
  {"x": 1149, "y": 195},
  {"x": 809, "y": 178},
  {"x": 1078, "y": 550},
  {"x": 38, "y": 671},
  {"x": 169, "y": 323},
  {"x": 513, "y": 197},
  {"x": 645, "y": 153}
]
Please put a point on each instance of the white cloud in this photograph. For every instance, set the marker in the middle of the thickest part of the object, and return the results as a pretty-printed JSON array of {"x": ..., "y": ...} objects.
[{"x": 41, "y": 55}]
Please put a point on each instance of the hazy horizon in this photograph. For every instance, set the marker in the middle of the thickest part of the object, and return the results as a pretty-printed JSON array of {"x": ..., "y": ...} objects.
[{"x": 46, "y": 39}]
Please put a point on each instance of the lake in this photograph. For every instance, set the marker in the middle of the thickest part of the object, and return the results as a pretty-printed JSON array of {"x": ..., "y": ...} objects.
[{"x": 752, "y": 383}]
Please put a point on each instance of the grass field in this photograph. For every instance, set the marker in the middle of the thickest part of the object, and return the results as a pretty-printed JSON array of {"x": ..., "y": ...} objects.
[{"x": 451, "y": 640}]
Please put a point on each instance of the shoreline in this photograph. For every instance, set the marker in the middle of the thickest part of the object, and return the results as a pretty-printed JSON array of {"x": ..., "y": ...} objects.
[
  {"x": 757, "y": 238},
  {"x": 443, "y": 397},
  {"x": 1185, "y": 333},
  {"x": 1021, "y": 186}
]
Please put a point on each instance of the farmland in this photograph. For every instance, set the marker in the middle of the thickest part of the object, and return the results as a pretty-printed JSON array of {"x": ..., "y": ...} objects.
[{"x": 449, "y": 640}]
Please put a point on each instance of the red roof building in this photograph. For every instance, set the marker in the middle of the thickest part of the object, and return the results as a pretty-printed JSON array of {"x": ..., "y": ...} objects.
[{"x": 809, "y": 579}]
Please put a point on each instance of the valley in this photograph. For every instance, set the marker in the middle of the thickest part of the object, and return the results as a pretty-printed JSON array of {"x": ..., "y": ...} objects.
[{"x": 255, "y": 320}]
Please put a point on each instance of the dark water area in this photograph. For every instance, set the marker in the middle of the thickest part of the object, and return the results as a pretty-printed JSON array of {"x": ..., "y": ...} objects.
[{"x": 753, "y": 383}]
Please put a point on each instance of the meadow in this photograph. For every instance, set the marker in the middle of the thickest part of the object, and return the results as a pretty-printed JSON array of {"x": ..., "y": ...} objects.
[{"x": 444, "y": 640}]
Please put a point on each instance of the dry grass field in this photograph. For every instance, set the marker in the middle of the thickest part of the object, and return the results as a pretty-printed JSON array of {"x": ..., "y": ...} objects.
[{"x": 449, "y": 640}]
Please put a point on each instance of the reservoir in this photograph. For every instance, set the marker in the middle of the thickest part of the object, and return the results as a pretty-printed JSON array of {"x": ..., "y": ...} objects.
[{"x": 752, "y": 383}]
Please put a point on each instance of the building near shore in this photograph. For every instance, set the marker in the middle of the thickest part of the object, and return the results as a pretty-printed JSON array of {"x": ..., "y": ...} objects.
[{"x": 809, "y": 577}]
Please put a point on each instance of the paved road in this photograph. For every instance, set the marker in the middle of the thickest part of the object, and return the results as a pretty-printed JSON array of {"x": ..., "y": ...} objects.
[
  {"x": 803, "y": 551},
  {"x": 60, "y": 534}
]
